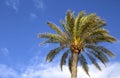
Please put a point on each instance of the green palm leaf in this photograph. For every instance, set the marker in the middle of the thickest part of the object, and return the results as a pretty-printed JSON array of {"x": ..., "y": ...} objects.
[
  {"x": 100, "y": 31},
  {"x": 98, "y": 54},
  {"x": 84, "y": 63},
  {"x": 77, "y": 23},
  {"x": 93, "y": 60},
  {"x": 53, "y": 53},
  {"x": 54, "y": 27},
  {"x": 105, "y": 50},
  {"x": 70, "y": 22},
  {"x": 63, "y": 59},
  {"x": 50, "y": 41},
  {"x": 95, "y": 39},
  {"x": 70, "y": 63},
  {"x": 88, "y": 23},
  {"x": 101, "y": 57},
  {"x": 65, "y": 29},
  {"x": 51, "y": 36}
]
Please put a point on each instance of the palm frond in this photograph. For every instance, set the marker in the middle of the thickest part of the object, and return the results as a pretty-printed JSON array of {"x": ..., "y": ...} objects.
[
  {"x": 84, "y": 63},
  {"x": 105, "y": 50},
  {"x": 104, "y": 38},
  {"x": 63, "y": 59},
  {"x": 86, "y": 23},
  {"x": 95, "y": 39},
  {"x": 101, "y": 23},
  {"x": 49, "y": 41},
  {"x": 51, "y": 36},
  {"x": 89, "y": 23},
  {"x": 70, "y": 63},
  {"x": 77, "y": 23},
  {"x": 65, "y": 29},
  {"x": 53, "y": 53},
  {"x": 70, "y": 21},
  {"x": 100, "y": 31},
  {"x": 98, "y": 54},
  {"x": 56, "y": 28},
  {"x": 93, "y": 60},
  {"x": 64, "y": 26},
  {"x": 102, "y": 57}
]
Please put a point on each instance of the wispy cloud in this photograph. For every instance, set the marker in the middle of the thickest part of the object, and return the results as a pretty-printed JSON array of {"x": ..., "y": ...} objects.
[
  {"x": 39, "y": 7},
  {"x": 4, "y": 51},
  {"x": 33, "y": 16},
  {"x": 53, "y": 71},
  {"x": 39, "y": 4},
  {"x": 13, "y": 4}
]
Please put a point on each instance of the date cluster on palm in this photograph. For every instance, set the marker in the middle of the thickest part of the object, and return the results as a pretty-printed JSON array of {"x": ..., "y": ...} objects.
[{"x": 76, "y": 48}]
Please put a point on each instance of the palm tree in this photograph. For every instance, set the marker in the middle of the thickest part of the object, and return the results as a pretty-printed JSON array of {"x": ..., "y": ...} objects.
[{"x": 80, "y": 38}]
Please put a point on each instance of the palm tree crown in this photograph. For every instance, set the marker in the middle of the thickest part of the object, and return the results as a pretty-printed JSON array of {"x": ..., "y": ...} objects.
[{"x": 81, "y": 35}]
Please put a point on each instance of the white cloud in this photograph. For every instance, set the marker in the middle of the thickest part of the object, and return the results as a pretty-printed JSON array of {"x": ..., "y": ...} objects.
[
  {"x": 13, "y": 3},
  {"x": 39, "y": 4},
  {"x": 7, "y": 72},
  {"x": 53, "y": 71},
  {"x": 4, "y": 51}
]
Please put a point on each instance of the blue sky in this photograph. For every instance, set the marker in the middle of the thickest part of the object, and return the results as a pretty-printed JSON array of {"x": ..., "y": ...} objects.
[{"x": 22, "y": 20}]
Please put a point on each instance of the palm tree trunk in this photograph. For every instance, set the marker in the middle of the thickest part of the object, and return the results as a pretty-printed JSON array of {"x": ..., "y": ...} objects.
[{"x": 74, "y": 65}]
